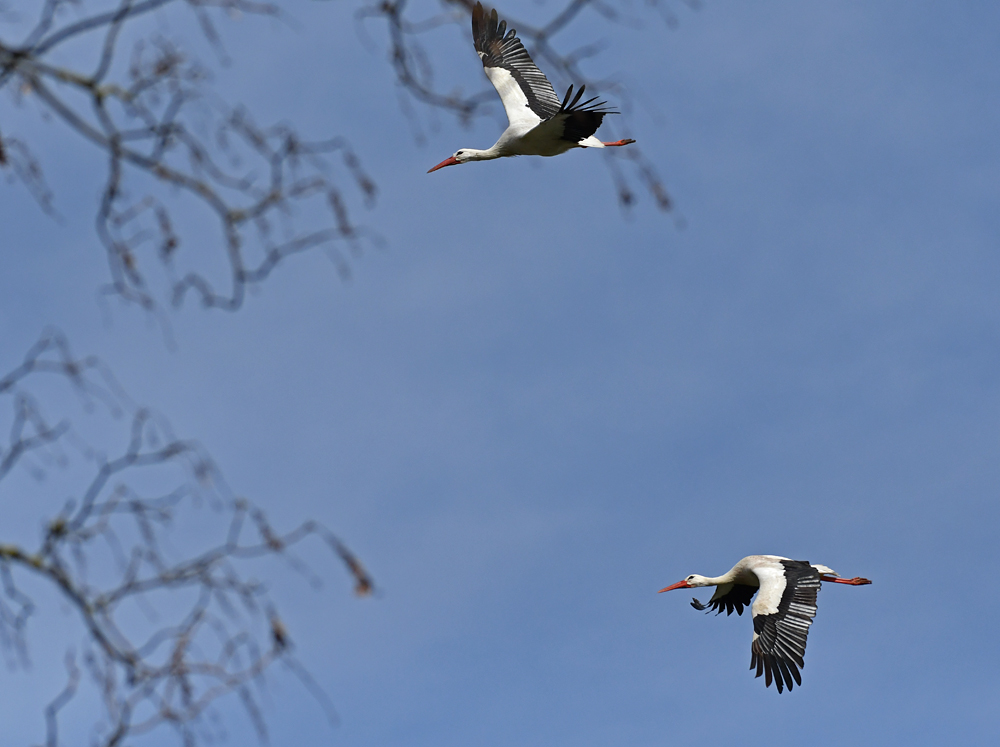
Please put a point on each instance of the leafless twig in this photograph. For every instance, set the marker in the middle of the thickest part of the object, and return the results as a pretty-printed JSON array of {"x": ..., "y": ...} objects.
[
  {"x": 206, "y": 628},
  {"x": 170, "y": 144}
]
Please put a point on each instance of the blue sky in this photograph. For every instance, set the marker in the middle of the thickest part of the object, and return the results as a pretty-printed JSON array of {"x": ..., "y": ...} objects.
[{"x": 528, "y": 412}]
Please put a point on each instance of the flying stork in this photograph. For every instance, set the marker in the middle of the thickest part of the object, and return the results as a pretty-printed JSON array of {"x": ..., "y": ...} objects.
[
  {"x": 539, "y": 123},
  {"x": 782, "y": 613}
]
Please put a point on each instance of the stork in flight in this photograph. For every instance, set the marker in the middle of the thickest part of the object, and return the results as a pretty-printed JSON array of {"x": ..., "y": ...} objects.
[
  {"x": 539, "y": 124},
  {"x": 782, "y": 613}
]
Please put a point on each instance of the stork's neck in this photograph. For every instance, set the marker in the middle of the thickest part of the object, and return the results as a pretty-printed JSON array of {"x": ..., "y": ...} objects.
[
  {"x": 471, "y": 154},
  {"x": 737, "y": 574},
  {"x": 725, "y": 578}
]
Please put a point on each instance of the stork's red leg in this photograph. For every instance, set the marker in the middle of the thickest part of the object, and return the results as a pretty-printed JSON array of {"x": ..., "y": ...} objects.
[
  {"x": 619, "y": 142},
  {"x": 856, "y": 581}
]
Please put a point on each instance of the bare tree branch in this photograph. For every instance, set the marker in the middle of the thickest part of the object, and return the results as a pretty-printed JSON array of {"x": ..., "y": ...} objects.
[
  {"x": 211, "y": 629},
  {"x": 173, "y": 149},
  {"x": 271, "y": 193}
]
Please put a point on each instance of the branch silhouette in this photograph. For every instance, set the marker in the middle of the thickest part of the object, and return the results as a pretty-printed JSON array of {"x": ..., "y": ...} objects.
[
  {"x": 165, "y": 632},
  {"x": 270, "y": 192},
  {"x": 175, "y": 151}
]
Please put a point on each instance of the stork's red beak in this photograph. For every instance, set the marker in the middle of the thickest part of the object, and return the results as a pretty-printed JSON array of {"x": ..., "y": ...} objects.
[
  {"x": 446, "y": 162},
  {"x": 678, "y": 585}
]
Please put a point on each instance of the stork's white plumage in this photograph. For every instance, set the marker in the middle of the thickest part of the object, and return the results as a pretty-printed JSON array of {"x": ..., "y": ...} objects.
[
  {"x": 539, "y": 124},
  {"x": 782, "y": 613}
]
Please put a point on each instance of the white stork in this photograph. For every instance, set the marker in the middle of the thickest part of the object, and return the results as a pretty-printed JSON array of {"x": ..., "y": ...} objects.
[
  {"x": 539, "y": 124},
  {"x": 782, "y": 613}
]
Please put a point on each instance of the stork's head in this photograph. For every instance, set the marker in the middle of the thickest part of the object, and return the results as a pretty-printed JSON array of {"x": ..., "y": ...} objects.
[
  {"x": 691, "y": 582},
  {"x": 461, "y": 156}
]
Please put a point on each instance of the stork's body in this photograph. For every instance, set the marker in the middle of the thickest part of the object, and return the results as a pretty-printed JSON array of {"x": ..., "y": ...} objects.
[
  {"x": 782, "y": 613},
  {"x": 539, "y": 124}
]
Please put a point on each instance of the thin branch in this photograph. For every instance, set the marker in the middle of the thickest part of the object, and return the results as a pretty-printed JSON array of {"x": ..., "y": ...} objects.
[
  {"x": 212, "y": 630},
  {"x": 145, "y": 117}
]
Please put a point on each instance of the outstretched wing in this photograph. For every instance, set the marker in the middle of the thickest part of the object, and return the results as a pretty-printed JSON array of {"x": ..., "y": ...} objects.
[
  {"x": 728, "y": 597},
  {"x": 575, "y": 123},
  {"x": 526, "y": 93},
  {"x": 782, "y": 614},
  {"x": 581, "y": 120}
]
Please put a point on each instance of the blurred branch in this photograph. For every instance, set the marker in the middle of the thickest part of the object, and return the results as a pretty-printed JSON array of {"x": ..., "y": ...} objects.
[
  {"x": 166, "y": 141},
  {"x": 415, "y": 71},
  {"x": 169, "y": 144},
  {"x": 207, "y": 629}
]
